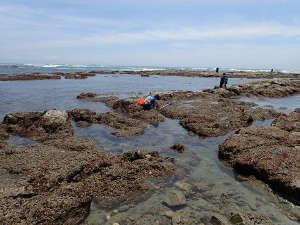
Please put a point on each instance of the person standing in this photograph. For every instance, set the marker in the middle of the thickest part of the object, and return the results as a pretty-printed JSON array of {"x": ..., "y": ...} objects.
[{"x": 224, "y": 80}]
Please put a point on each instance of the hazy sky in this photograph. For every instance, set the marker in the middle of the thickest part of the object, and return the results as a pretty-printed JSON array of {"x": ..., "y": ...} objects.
[{"x": 198, "y": 33}]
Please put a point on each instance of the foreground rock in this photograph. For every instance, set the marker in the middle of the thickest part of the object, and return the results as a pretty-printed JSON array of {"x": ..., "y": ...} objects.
[
  {"x": 3, "y": 136},
  {"x": 29, "y": 77},
  {"x": 55, "y": 183},
  {"x": 270, "y": 153},
  {"x": 39, "y": 126},
  {"x": 124, "y": 125}
]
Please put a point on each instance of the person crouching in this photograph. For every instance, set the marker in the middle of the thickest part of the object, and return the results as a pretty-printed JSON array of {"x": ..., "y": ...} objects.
[{"x": 150, "y": 102}]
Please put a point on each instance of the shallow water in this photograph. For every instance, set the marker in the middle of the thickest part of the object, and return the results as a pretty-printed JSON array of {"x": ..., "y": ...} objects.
[
  {"x": 40, "y": 95},
  {"x": 285, "y": 105},
  {"x": 199, "y": 165}
]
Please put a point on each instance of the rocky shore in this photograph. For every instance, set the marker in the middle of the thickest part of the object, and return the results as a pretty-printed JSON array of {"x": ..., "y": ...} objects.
[
  {"x": 207, "y": 113},
  {"x": 54, "y": 182},
  {"x": 270, "y": 153},
  {"x": 185, "y": 73},
  {"x": 4, "y": 77},
  {"x": 188, "y": 73}
]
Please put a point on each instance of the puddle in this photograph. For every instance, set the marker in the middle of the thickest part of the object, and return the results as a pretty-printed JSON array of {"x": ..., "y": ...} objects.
[
  {"x": 20, "y": 141},
  {"x": 285, "y": 105}
]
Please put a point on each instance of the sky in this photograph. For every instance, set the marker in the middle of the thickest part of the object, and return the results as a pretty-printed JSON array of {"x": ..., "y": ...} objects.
[{"x": 196, "y": 33}]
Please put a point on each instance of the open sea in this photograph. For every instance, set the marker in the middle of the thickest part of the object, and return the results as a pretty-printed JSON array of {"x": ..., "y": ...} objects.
[{"x": 50, "y": 68}]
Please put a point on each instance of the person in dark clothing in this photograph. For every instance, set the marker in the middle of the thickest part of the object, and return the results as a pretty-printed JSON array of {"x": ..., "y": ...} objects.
[
  {"x": 224, "y": 80},
  {"x": 150, "y": 102},
  {"x": 217, "y": 70}
]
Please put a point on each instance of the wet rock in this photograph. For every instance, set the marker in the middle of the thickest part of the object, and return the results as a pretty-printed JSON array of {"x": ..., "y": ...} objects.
[
  {"x": 125, "y": 126},
  {"x": 269, "y": 153},
  {"x": 82, "y": 115},
  {"x": 78, "y": 75},
  {"x": 134, "y": 155},
  {"x": 202, "y": 187},
  {"x": 237, "y": 219},
  {"x": 290, "y": 122},
  {"x": 218, "y": 219},
  {"x": 39, "y": 126},
  {"x": 175, "y": 198},
  {"x": 86, "y": 95},
  {"x": 179, "y": 219},
  {"x": 178, "y": 148},
  {"x": 183, "y": 186},
  {"x": 55, "y": 118},
  {"x": 168, "y": 213},
  {"x": 210, "y": 118},
  {"x": 83, "y": 124},
  {"x": 29, "y": 77}
]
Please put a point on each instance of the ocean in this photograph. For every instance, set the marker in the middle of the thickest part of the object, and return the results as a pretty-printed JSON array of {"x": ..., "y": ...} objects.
[{"x": 51, "y": 68}]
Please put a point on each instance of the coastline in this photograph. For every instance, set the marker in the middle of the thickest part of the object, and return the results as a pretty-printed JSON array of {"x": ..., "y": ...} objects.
[{"x": 184, "y": 73}]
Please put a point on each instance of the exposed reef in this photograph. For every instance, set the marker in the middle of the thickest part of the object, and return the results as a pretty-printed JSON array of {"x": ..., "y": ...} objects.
[
  {"x": 271, "y": 153},
  {"x": 186, "y": 73},
  {"x": 207, "y": 113},
  {"x": 54, "y": 183},
  {"x": 39, "y": 126},
  {"x": 29, "y": 77}
]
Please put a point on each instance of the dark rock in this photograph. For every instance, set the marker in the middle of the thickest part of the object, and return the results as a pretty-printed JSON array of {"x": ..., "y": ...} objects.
[
  {"x": 79, "y": 115},
  {"x": 29, "y": 77},
  {"x": 178, "y": 148},
  {"x": 39, "y": 126},
  {"x": 86, "y": 95},
  {"x": 218, "y": 219}
]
